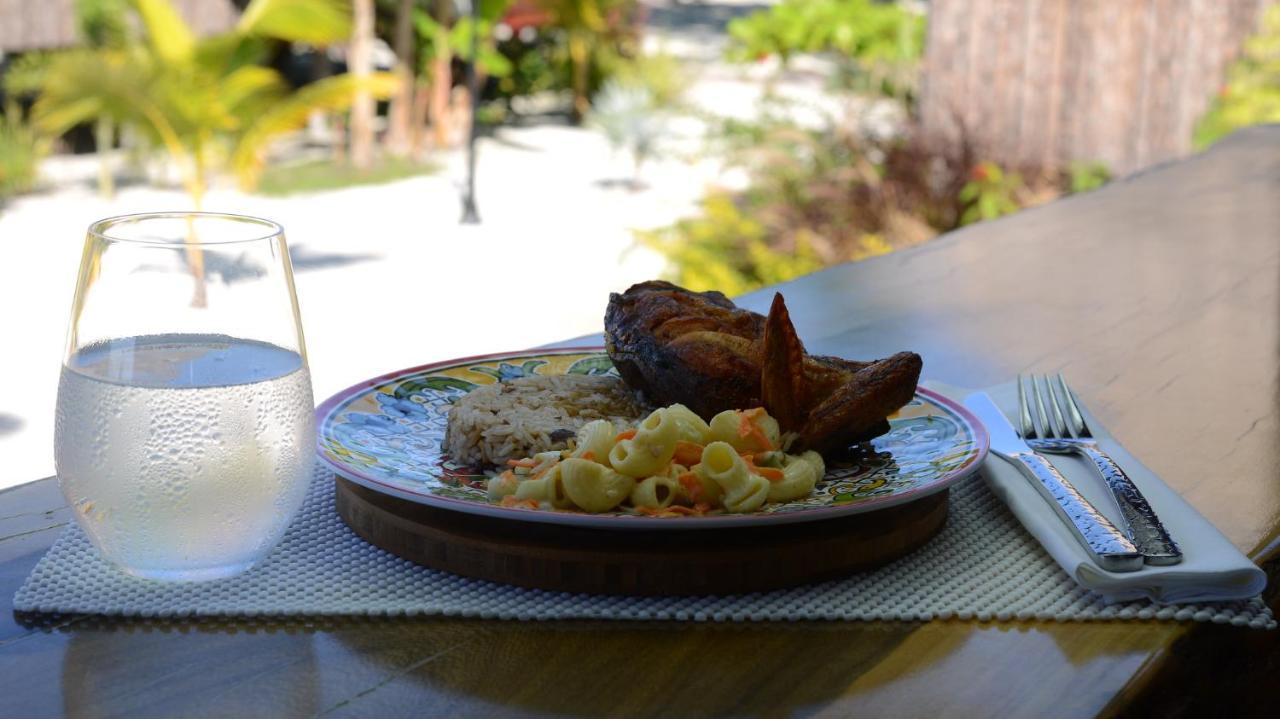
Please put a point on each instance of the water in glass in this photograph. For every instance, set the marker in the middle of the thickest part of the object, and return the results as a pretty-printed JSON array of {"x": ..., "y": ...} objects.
[{"x": 185, "y": 454}]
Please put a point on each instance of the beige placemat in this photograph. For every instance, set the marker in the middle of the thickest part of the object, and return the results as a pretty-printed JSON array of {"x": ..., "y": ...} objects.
[{"x": 983, "y": 565}]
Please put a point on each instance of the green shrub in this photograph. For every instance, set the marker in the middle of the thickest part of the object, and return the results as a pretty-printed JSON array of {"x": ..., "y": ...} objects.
[
  {"x": 21, "y": 149},
  {"x": 1086, "y": 176},
  {"x": 1252, "y": 93},
  {"x": 879, "y": 44},
  {"x": 821, "y": 197},
  {"x": 990, "y": 193},
  {"x": 725, "y": 250}
]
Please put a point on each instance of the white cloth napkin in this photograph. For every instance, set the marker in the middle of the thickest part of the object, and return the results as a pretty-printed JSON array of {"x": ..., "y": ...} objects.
[{"x": 1212, "y": 568}]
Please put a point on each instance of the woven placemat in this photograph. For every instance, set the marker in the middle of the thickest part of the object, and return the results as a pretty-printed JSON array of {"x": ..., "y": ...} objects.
[{"x": 983, "y": 565}]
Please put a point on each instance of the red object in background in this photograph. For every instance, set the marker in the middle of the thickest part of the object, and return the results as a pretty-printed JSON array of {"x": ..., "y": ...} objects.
[
  {"x": 531, "y": 13},
  {"x": 526, "y": 13}
]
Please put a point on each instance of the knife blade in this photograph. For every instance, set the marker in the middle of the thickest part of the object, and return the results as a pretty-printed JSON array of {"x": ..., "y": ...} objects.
[{"x": 1108, "y": 546}]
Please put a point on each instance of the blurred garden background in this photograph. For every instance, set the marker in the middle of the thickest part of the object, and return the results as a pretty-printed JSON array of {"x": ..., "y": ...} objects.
[{"x": 724, "y": 144}]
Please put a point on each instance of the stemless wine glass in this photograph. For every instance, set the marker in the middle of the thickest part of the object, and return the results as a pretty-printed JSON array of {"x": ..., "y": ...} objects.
[{"x": 185, "y": 427}]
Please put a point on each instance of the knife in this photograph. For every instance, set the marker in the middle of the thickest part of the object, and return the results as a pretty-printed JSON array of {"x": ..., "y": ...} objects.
[{"x": 1108, "y": 546}]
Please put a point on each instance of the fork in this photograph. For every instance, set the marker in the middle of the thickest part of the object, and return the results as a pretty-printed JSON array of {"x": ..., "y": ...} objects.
[{"x": 1062, "y": 430}]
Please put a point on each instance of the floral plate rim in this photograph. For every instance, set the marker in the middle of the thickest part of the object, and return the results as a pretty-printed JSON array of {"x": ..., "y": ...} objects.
[{"x": 339, "y": 400}]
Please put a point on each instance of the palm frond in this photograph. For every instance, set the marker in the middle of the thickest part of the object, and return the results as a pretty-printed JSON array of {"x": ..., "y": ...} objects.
[
  {"x": 26, "y": 75},
  {"x": 167, "y": 33},
  {"x": 315, "y": 21},
  {"x": 331, "y": 93},
  {"x": 250, "y": 87},
  {"x": 80, "y": 85},
  {"x": 231, "y": 51}
]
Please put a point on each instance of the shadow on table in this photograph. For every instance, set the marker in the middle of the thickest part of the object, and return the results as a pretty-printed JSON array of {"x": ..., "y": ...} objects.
[
  {"x": 10, "y": 423},
  {"x": 130, "y": 669}
]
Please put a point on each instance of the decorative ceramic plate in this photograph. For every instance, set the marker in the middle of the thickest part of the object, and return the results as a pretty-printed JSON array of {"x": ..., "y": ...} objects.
[{"x": 387, "y": 434}]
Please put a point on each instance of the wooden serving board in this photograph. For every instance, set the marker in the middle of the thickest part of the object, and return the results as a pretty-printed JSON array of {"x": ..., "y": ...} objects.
[{"x": 695, "y": 561}]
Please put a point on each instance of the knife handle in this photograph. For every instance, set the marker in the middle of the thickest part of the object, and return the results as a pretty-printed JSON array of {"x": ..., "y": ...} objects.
[
  {"x": 1150, "y": 536},
  {"x": 1107, "y": 545}
]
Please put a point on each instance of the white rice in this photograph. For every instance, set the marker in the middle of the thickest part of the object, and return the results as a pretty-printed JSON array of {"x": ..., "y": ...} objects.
[{"x": 521, "y": 417}]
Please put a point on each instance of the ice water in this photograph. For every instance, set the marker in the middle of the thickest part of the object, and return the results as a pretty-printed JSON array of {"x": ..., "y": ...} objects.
[{"x": 184, "y": 456}]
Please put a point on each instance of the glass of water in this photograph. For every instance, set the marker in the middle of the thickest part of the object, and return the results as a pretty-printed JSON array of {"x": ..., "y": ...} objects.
[{"x": 185, "y": 428}]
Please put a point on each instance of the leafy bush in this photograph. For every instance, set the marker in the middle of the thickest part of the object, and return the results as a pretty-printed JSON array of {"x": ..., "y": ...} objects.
[
  {"x": 816, "y": 198},
  {"x": 20, "y": 151},
  {"x": 990, "y": 193},
  {"x": 726, "y": 250},
  {"x": 878, "y": 43},
  {"x": 1252, "y": 93},
  {"x": 1086, "y": 176},
  {"x": 821, "y": 197}
]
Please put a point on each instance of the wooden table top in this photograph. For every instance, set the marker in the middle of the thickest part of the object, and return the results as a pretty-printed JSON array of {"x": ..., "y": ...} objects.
[{"x": 1156, "y": 295}]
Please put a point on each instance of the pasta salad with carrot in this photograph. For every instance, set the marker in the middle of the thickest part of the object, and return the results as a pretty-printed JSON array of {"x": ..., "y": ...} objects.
[{"x": 673, "y": 463}]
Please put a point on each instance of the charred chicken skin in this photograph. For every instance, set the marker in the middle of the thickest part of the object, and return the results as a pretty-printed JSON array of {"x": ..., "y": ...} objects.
[{"x": 700, "y": 350}]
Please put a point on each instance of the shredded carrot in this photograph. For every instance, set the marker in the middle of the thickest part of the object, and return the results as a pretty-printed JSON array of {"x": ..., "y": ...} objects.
[
  {"x": 507, "y": 475},
  {"x": 675, "y": 510},
  {"x": 589, "y": 455},
  {"x": 691, "y": 485},
  {"x": 688, "y": 453},
  {"x": 511, "y": 501},
  {"x": 748, "y": 428},
  {"x": 528, "y": 462},
  {"x": 769, "y": 473},
  {"x": 625, "y": 435},
  {"x": 761, "y": 438}
]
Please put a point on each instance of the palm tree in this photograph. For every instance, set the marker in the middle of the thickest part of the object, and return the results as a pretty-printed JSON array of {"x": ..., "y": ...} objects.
[
  {"x": 103, "y": 24},
  {"x": 209, "y": 103},
  {"x": 398, "y": 116},
  {"x": 360, "y": 65}
]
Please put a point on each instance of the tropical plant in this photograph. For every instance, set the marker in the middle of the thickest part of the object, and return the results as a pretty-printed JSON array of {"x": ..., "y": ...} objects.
[
  {"x": 727, "y": 250},
  {"x": 663, "y": 75},
  {"x": 594, "y": 31},
  {"x": 627, "y": 117},
  {"x": 209, "y": 103},
  {"x": 452, "y": 38},
  {"x": 1086, "y": 176},
  {"x": 817, "y": 197},
  {"x": 1252, "y": 92},
  {"x": 20, "y": 151},
  {"x": 103, "y": 24},
  {"x": 631, "y": 108},
  {"x": 878, "y": 44},
  {"x": 443, "y": 38},
  {"x": 990, "y": 193}
]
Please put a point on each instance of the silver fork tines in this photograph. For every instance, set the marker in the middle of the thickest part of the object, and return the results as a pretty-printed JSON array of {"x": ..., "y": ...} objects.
[{"x": 1064, "y": 431}]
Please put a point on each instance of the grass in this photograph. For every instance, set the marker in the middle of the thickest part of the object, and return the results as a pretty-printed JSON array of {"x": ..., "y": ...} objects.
[{"x": 319, "y": 175}]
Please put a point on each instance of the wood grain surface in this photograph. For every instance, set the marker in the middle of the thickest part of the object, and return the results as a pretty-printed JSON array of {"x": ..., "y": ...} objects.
[
  {"x": 1158, "y": 296},
  {"x": 728, "y": 560}
]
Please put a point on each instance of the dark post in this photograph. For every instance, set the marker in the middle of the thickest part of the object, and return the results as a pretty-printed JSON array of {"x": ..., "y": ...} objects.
[{"x": 470, "y": 215}]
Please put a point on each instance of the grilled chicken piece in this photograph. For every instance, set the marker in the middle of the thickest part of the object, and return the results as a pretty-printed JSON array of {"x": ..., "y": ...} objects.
[{"x": 698, "y": 349}]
